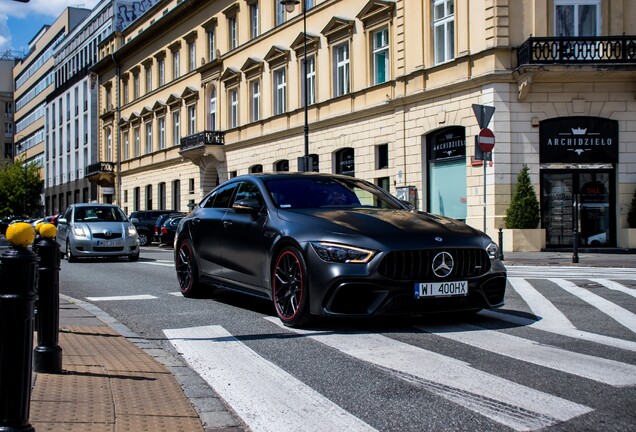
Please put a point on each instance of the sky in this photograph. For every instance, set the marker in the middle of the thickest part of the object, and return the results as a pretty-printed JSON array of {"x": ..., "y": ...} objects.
[{"x": 20, "y": 22}]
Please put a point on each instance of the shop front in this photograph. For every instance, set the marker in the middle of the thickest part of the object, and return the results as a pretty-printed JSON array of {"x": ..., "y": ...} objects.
[{"x": 578, "y": 157}]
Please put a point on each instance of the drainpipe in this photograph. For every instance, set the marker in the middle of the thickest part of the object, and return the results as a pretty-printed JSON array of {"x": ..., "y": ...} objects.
[{"x": 118, "y": 134}]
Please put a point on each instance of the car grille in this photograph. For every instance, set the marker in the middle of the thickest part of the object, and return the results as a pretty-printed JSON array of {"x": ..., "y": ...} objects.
[
  {"x": 417, "y": 264},
  {"x": 104, "y": 236},
  {"x": 108, "y": 249}
]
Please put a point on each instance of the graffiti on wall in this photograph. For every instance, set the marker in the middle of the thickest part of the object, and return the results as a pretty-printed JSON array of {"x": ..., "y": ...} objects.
[{"x": 128, "y": 11}]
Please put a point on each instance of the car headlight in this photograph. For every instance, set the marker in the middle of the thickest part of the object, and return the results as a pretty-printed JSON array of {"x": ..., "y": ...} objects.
[
  {"x": 493, "y": 250},
  {"x": 331, "y": 252},
  {"x": 79, "y": 231},
  {"x": 131, "y": 230}
]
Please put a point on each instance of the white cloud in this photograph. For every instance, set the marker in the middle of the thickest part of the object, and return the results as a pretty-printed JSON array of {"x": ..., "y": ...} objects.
[
  {"x": 5, "y": 34},
  {"x": 49, "y": 8}
]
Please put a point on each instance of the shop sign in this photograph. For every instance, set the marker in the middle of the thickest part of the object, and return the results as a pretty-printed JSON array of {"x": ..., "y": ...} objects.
[
  {"x": 578, "y": 140},
  {"x": 447, "y": 143}
]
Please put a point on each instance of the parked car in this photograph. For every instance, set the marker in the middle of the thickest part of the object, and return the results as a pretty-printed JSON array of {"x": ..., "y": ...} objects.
[
  {"x": 159, "y": 223},
  {"x": 168, "y": 229},
  {"x": 332, "y": 245},
  {"x": 144, "y": 222},
  {"x": 88, "y": 230}
]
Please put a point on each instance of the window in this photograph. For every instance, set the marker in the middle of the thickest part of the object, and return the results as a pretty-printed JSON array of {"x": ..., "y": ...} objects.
[
  {"x": 125, "y": 91},
  {"x": 577, "y": 17},
  {"x": 162, "y": 196},
  {"x": 345, "y": 162},
  {"x": 126, "y": 148},
  {"x": 254, "y": 27},
  {"x": 281, "y": 166},
  {"x": 256, "y": 169},
  {"x": 175, "y": 64},
  {"x": 162, "y": 71},
  {"x": 255, "y": 100},
  {"x": 280, "y": 91},
  {"x": 309, "y": 4},
  {"x": 234, "y": 113},
  {"x": 280, "y": 12},
  {"x": 341, "y": 69},
  {"x": 176, "y": 195},
  {"x": 109, "y": 145},
  {"x": 136, "y": 86},
  {"x": 211, "y": 45},
  {"x": 161, "y": 121},
  {"x": 192, "y": 120},
  {"x": 176, "y": 128},
  {"x": 192, "y": 56},
  {"x": 136, "y": 198},
  {"x": 148, "y": 137},
  {"x": 444, "y": 30},
  {"x": 148, "y": 79},
  {"x": 137, "y": 141},
  {"x": 310, "y": 82},
  {"x": 382, "y": 156},
  {"x": 191, "y": 186},
  {"x": 232, "y": 32},
  {"x": 212, "y": 119},
  {"x": 381, "y": 56},
  {"x": 148, "y": 197}
]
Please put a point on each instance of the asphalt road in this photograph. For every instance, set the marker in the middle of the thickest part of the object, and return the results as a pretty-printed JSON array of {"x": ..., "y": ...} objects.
[{"x": 560, "y": 356}]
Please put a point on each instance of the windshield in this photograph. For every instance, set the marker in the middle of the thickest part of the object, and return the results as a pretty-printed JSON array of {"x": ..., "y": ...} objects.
[
  {"x": 99, "y": 214},
  {"x": 321, "y": 192}
]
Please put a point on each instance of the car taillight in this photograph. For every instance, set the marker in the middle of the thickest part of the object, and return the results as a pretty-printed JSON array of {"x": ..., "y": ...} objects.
[
  {"x": 156, "y": 230},
  {"x": 164, "y": 230}
]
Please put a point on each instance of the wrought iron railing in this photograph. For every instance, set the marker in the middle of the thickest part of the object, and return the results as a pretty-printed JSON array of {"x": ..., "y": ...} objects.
[
  {"x": 103, "y": 167},
  {"x": 577, "y": 50},
  {"x": 201, "y": 139}
]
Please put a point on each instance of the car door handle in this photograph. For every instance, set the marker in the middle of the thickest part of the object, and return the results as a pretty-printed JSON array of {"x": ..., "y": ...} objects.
[
  {"x": 227, "y": 223},
  {"x": 195, "y": 221}
]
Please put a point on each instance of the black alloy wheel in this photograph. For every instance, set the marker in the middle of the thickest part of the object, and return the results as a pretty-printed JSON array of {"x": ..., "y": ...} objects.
[
  {"x": 289, "y": 288},
  {"x": 187, "y": 270},
  {"x": 143, "y": 238}
]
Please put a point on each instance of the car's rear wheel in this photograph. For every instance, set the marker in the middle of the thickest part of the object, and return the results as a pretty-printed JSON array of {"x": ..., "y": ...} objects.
[
  {"x": 187, "y": 270},
  {"x": 289, "y": 287},
  {"x": 69, "y": 255}
]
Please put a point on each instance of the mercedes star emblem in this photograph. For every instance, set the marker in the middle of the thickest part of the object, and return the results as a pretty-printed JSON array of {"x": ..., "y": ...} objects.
[{"x": 442, "y": 264}]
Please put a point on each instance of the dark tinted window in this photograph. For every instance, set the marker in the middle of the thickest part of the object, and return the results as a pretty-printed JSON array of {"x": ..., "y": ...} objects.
[
  {"x": 248, "y": 190},
  {"x": 221, "y": 198}
]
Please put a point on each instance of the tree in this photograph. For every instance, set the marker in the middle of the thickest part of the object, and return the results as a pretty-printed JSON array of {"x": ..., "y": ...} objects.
[
  {"x": 523, "y": 212},
  {"x": 631, "y": 216},
  {"x": 20, "y": 189}
]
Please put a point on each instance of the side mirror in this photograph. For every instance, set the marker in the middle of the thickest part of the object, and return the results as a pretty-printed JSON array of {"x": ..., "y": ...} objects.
[
  {"x": 408, "y": 205},
  {"x": 249, "y": 205},
  {"x": 62, "y": 221},
  {"x": 134, "y": 220}
]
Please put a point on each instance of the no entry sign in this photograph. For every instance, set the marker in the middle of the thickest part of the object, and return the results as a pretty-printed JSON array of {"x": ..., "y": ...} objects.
[{"x": 486, "y": 140}]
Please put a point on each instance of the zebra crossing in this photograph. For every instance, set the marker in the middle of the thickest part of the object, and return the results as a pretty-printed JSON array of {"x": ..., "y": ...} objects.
[{"x": 269, "y": 397}]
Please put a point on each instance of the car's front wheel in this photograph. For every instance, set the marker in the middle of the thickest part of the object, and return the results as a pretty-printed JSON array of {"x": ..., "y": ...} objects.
[
  {"x": 69, "y": 255},
  {"x": 289, "y": 287},
  {"x": 143, "y": 238},
  {"x": 187, "y": 270}
]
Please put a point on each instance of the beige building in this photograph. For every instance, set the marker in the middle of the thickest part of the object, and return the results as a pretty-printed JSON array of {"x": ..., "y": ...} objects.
[
  {"x": 34, "y": 80},
  {"x": 7, "y": 108},
  {"x": 196, "y": 92}
]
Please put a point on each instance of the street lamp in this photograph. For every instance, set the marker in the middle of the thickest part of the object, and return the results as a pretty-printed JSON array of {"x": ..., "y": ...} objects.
[{"x": 290, "y": 5}]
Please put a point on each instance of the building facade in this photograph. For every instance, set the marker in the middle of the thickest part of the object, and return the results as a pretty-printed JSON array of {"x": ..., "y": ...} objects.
[
  {"x": 195, "y": 92},
  {"x": 34, "y": 80},
  {"x": 7, "y": 109}
]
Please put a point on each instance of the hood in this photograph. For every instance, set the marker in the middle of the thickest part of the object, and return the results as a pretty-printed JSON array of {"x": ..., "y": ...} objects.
[
  {"x": 102, "y": 227},
  {"x": 382, "y": 225}
]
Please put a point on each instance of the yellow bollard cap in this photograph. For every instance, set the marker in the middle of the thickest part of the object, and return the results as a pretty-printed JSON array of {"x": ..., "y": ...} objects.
[
  {"x": 20, "y": 234},
  {"x": 38, "y": 226},
  {"x": 48, "y": 230}
]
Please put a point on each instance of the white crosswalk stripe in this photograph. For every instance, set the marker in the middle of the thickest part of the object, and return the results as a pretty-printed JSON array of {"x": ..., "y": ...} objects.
[
  {"x": 615, "y": 286},
  {"x": 542, "y": 272},
  {"x": 266, "y": 397},
  {"x": 122, "y": 298}
]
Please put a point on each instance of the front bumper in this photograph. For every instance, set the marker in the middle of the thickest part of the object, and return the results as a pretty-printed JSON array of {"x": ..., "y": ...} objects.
[{"x": 84, "y": 247}]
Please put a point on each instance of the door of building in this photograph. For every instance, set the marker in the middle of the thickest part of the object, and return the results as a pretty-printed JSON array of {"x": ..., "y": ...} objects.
[{"x": 593, "y": 191}]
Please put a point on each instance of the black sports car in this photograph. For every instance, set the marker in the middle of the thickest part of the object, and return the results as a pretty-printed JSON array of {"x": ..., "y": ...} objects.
[{"x": 325, "y": 244}]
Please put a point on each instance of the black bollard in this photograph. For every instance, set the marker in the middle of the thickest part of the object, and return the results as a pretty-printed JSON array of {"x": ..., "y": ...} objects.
[
  {"x": 18, "y": 280},
  {"x": 47, "y": 356},
  {"x": 501, "y": 254}
]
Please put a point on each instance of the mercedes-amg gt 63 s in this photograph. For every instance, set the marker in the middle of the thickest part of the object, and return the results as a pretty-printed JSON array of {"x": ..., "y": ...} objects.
[{"x": 332, "y": 245}]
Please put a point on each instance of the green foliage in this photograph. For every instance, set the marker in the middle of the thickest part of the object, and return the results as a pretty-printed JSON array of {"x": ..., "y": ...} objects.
[
  {"x": 631, "y": 216},
  {"x": 523, "y": 212},
  {"x": 20, "y": 189}
]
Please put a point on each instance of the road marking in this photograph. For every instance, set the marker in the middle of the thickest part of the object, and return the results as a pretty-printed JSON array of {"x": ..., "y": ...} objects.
[
  {"x": 551, "y": 319},
  {"x": 157, "y": 263},
  {"x": 614, "y": 311},
  {"x": 176, "y": 293},
  {"x": 595, "y": 368},
  {"x": 511, "y": 404},
  {"x": 615, "y": 286},
  {"x": 542, "y": 272},
  {"x": 118, "y": 298},
  {"x": 266, "y": 397}
]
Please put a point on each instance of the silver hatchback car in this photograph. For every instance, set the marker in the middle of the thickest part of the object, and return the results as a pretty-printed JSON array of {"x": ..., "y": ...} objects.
[{"x": 90, "y": 230}]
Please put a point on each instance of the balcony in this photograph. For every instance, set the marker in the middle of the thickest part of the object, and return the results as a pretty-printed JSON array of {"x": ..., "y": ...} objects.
[
  {"x": 599, "y": 50},
  {"x": 102, "y": 173},
  {"x": 202, "y": 144}
]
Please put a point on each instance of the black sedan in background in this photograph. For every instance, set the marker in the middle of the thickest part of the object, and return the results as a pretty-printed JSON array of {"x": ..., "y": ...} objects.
[
  {"x": 168, "y": 228},
  {"x": 331, "y": 245}
]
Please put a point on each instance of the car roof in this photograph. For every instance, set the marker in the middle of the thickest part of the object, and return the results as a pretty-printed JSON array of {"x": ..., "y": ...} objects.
[{"x": 291, "y": 175}]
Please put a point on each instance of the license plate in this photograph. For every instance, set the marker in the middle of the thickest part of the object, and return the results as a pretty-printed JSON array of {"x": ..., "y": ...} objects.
[
  {"x": 107, "y": 243},
  {"x": 441, "y": 289}
]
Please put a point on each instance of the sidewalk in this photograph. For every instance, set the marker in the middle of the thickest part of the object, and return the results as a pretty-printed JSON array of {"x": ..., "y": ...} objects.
[
  {"x": 110, "y": 384},
  {"x": 114, "y": 381}
]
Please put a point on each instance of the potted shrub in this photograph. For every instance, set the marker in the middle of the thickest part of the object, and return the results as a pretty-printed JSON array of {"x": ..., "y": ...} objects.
[{"x": 523, "y": 217}]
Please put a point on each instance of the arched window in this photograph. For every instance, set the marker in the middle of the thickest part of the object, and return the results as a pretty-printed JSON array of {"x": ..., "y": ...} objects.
[
  {"x": 345, "y": 163},
  {"x": 256, "y": 169},
  {"x": 281, "y": 165}
]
